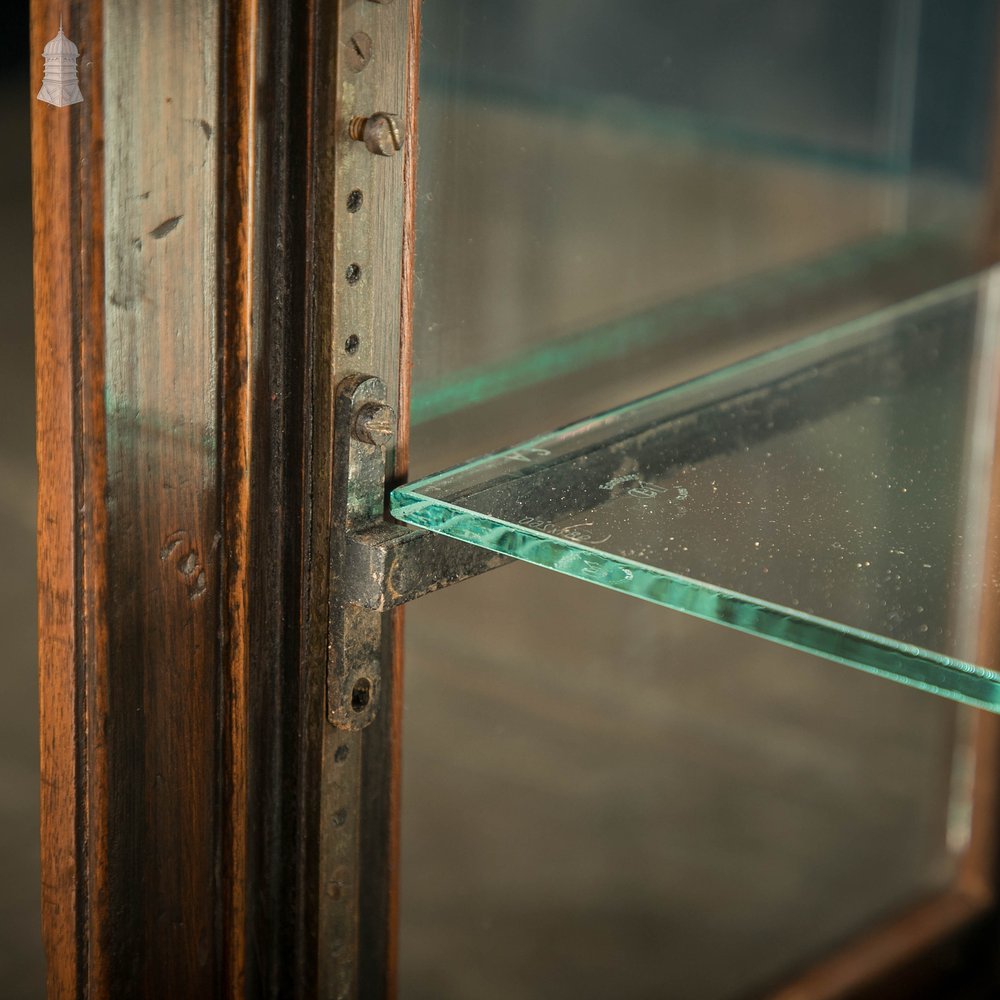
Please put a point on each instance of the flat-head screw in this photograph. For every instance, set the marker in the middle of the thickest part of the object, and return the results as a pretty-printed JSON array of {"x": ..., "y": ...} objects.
[{"x": 359, "y": 51}]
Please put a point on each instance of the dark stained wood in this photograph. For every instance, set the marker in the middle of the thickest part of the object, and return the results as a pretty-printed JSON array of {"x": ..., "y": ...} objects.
[
  {"x": 67, "y": 202},
  {"x": 409, "y": 239},
  {"x": 162, "y": 366},
  {"x": 238, "y": 37},
  {"x": 170, "y": 296},
  {"x": 279, "y": 848},
  {"x": 379, "y": 957},
  {"x": 92, "y": 484},
  {"x": 883, "y": 962},
  {"x": 52, "y": 139},
  {"x": 989, "y": 234}
]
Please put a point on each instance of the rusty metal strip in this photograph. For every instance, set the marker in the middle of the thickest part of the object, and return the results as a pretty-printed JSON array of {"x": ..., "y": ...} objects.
[
  {"x": 389, "y": 564},
  {"x": 361, "y": 71}
]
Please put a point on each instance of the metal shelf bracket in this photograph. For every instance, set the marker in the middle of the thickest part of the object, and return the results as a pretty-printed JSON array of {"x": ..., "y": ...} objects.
[{"x": 376, "y": 564}]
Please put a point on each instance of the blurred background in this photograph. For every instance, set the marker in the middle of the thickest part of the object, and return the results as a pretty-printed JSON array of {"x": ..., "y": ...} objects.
[{"x": 21, "y": 968}]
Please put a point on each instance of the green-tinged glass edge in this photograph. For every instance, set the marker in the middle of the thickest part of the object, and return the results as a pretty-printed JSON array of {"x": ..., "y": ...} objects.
[{"x": 909, "y": 664}]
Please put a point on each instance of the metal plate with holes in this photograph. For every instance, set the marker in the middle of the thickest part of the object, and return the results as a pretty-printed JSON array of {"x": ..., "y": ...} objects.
[
  {"x": 363, "y": 422},
  {"x": 374, "y": 565}
]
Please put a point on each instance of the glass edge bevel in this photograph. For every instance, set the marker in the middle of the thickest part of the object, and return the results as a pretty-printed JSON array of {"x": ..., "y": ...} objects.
[{"x": 938, "y": 674}]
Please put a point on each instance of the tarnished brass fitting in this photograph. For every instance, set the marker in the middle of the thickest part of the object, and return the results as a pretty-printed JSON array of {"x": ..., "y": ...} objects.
[{"x": 381, "y": 132}]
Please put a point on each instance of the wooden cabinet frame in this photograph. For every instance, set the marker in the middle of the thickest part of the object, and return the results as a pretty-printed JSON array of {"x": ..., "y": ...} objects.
[
  {"x": 183, "y": 265},
  {"x": 202, "y": 835}
]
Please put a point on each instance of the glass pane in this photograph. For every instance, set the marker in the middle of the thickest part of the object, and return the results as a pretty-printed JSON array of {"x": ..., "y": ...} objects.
[
  {"x": 602, "y": 797},
  {"x": 832, "y": 495},
  {"x": 596, "y": 183}
]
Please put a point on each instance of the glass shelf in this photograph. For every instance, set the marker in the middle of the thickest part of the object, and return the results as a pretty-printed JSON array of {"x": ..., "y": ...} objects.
[{"x": 835, "y": 495}]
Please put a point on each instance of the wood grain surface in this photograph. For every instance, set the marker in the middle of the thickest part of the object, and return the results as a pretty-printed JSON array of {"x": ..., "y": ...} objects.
[
  {"x": 170, "y": 280},
  {"x": 356, "y": 325},
  {"x": 72, "y": 529},
  {"x": 51, "y": 144}
]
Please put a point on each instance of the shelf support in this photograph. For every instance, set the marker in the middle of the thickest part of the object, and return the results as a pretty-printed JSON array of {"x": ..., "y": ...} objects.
[{"x": 376, "y": 564}]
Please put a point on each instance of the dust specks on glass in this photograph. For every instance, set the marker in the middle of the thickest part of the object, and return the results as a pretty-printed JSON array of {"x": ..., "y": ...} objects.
[{"x": 833, "y": 495}]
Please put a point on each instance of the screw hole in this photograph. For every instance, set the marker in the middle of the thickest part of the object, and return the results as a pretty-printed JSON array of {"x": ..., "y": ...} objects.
[
  {"x": 361, "y": 694},
  {"x": 355, "y": 200},
  {"x": 352, "y": 343},
  {"x": 353, "y": 274}
]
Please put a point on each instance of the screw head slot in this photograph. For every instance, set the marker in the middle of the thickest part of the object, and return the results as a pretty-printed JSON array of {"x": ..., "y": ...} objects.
[
  {"x": 381, "y": 132},
  {"x": 359, "y": 51},
  {"x": 375, "y": 424}
]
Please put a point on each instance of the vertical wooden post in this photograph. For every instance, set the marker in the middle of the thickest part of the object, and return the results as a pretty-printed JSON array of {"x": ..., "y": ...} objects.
[
  {"x": 69, "y": 293},
  {"x": 187, "y": 346}
]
